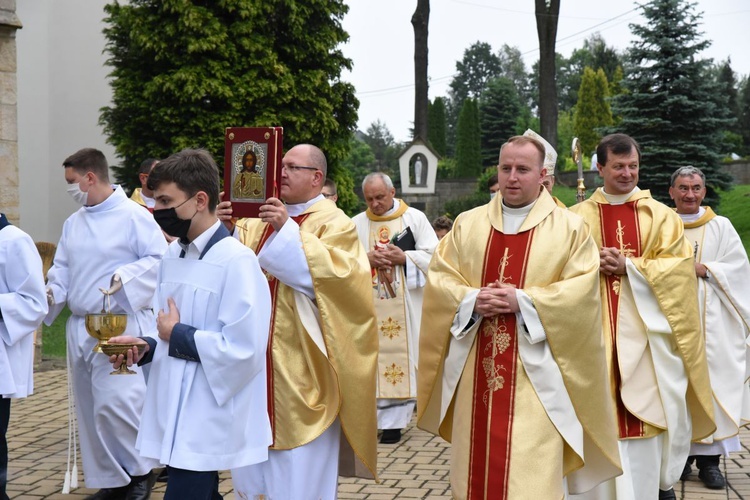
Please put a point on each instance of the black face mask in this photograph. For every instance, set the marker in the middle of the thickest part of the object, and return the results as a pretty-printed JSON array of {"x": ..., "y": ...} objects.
[{"x": 171, "y": 224}]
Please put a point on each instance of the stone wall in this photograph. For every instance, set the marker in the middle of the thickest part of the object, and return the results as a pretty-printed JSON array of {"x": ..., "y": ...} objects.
[
  {"x": 740, "y": 171},
  {"x": 447, "y": 189},
  {"x": 9, "y": 198}
]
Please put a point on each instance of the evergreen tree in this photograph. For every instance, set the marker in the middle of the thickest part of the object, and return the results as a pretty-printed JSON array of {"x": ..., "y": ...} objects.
[
  {"x": 359, "y": 162},
  {"x": 499, "y": 112},
  {"x": 384, "y": 147},
  {"x": 477, "y": 67},
  {"x": 468, "y": 143},
  {"x": 184, "y": 70},
  {"x": 670, "y": 106},
  {"x": 592, "y": 111},
  {"x": 436, "y": 125},
  {"x": 744, "y": 111}
]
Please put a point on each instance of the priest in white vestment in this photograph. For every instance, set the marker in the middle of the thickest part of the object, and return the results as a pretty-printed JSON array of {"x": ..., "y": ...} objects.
[
  {"x": 723, "y": 275},
  {"x": 109, "y": 245},
  {"x": 399, "y": 241},
  {"x": 655, "y": 353},
  {"x": 23, "y": 306},
  {"x": 205, "y": 407}
]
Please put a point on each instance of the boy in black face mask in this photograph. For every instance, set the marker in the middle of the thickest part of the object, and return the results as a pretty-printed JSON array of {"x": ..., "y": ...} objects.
[{"x": 205, "y": 406}]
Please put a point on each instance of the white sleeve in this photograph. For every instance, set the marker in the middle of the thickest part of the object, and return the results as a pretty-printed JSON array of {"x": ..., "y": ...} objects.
[{"x": 283, "y": 256}]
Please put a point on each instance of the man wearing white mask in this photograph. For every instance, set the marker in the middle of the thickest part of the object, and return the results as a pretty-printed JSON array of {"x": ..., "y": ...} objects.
[{"x": 109, "y": 246}]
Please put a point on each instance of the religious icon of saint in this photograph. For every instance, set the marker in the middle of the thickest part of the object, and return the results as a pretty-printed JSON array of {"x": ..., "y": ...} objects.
[{"x": 248, "y": 183}]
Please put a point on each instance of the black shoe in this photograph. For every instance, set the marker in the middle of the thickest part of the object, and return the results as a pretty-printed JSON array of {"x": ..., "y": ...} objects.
[
  {"x": 667, "y": 494},
  {"x": 391, "y": 436},
  {"x": 139, "y": 488},
  {"x": 163, "y": 476},
  {"x": 109, "y": 494},
  {"x": 711, "y": 477},
  {"x": 686, "y": 471}
]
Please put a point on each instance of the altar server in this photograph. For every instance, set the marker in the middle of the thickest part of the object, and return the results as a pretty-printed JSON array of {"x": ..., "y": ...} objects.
[
  {"x": 205, "y": 406},
  {"x": 22, "y": 308},
  {"x": 110, "y": 244}
]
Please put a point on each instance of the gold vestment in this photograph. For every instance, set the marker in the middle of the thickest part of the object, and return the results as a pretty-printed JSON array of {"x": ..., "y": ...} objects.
[
  {"x": 309, "y": 389},
  {"x": 563, "y": 287},
  {"x": 666, "y": 262}
]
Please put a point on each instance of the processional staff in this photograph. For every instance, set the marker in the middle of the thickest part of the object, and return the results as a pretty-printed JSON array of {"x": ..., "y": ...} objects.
[{"x": 577, "y": 152}]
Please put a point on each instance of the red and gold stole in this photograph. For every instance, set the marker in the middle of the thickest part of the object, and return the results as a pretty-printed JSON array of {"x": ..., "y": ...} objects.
[
  {"x": 620, "y": 229},
  {"x": 273, "y": 285},
  {"x": 495, "y": 372}
]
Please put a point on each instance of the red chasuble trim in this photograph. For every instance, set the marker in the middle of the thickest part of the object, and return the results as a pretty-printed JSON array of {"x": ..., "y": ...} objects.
[
  {"x": 495, "y": 373},
  {"x": 620, "y": 229},
  {"x": 273, "y": 285}
]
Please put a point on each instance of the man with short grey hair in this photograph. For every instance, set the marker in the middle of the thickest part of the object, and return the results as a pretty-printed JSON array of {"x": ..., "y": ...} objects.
[
  {"x": 723, "y": 276},
  {"x": 399, "y": 241}
]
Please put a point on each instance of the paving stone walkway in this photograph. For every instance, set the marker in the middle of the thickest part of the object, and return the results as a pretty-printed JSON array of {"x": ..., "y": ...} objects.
[{"x": 417, "y": 467}]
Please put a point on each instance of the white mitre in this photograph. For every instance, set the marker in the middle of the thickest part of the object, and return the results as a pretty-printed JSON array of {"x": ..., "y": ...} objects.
[{"x": 550, "y": 155}]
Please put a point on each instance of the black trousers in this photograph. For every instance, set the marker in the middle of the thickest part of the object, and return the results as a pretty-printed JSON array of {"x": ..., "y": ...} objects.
[
  {"x": 192, "y": 484},
  {"x": 4, "y": 419}
]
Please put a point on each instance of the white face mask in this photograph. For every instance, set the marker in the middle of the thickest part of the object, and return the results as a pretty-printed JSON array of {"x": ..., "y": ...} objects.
[
  {"x": 492, "y": 195},
  {"x": 74, "y": 190}
]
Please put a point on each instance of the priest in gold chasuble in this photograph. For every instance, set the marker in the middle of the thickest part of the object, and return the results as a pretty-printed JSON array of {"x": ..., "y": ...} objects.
[
  {"x": 399, "y": 241},
  {"x": 512, "y": 368},
  {"x": 655, "y": 351},
  {"x": 322, "y": 350}
]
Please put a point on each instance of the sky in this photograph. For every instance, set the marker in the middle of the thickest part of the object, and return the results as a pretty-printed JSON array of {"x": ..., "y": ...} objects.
[{"x": 381, "y": 42}]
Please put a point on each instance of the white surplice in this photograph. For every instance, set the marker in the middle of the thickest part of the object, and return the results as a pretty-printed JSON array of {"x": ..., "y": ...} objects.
[
  {"x": 397, "y": 413},
  {"x": 23, "y": 305},
  {"x": 211, "y": 414},
  {"x": 114, "y": 237},
  {"x": 724, "y": 300}
]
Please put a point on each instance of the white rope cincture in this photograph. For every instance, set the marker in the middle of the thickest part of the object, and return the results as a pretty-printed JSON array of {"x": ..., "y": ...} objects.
[{"x": 71, "y": 474}]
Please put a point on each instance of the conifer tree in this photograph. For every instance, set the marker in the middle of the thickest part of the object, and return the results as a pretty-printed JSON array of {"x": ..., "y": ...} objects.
[
  {"x": 499, "y": 111},
  {"x": 671, "y": 106},
  {"x": 436, "y": 125},
  {"x": 468, "y": 144},
  {"x": 592, "y": 111}
]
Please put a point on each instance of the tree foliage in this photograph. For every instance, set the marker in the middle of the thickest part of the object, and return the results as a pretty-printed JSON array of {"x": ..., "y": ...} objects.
[
  {"x": 359, "y": 162},
  {"x": 592, "y": 111},
  {"x": 744, "y": 114},
  {"x": 436, "y": 122},
  {"x": 384, "y": 147},
  {"x": 468, "y": 144},
  {"x": 671, "y": 105},
  {"x": 513, "y": 68},
  {"x": 183, "y": 71},
  {"x": 499, "y": 112}
]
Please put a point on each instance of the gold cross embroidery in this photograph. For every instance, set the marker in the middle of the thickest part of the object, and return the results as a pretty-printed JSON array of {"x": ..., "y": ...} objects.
[{"x": 627, "y": 252}]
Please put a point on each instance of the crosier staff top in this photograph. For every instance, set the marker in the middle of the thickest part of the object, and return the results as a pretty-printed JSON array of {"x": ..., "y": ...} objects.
[{"x": 577, "y": 152}]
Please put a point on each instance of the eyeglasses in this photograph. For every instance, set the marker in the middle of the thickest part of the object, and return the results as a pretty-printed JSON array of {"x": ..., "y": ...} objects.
[{"x": 296, "y": 168}]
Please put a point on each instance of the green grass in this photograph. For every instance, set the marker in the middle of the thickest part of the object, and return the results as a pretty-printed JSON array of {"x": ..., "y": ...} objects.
[
  {"x": 735, "y": 205},
  {"x": 53, "y": 336}
]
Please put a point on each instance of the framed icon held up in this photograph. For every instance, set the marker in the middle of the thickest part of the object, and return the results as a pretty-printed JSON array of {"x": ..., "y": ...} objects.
[{"x": 252, "y": 167}]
